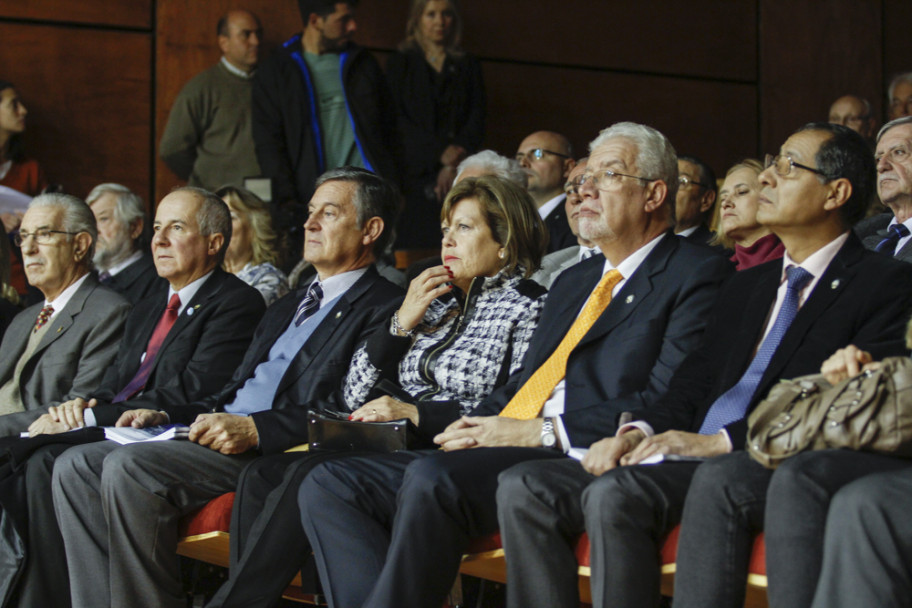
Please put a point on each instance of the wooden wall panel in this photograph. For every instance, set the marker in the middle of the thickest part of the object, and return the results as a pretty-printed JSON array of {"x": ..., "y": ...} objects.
[
  {"x": 810, "y": 56},
  {"x": 127, "y": 13},
  {"x": 89, "y": 97},
  {"x": 711, "y": 120}
]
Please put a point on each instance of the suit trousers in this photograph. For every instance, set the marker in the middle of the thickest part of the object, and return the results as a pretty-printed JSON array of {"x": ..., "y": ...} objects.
[
  {"x": 268, "y": 543},
  {"x": 390, "y": 530},
  {"x": 543, "y": 507},
  {"x": 119, "y": 509},
  {"x": 867, "y": 555},
  {"x": 797, "y": 503}
]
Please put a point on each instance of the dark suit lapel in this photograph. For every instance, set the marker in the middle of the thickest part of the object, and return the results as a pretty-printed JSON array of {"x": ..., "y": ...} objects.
[
  {"x": 635, "y": 290},
  {"x": 834, "y": 281},
  {"x": 322, "y": 335},
  {"x": 746, "y": 338}
]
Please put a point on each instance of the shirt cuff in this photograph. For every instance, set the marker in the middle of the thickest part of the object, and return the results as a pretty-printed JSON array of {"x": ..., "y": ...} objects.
[
  {"x": 728, "y": 440},
  {"x": 88, "y": 417},
  {"x": 636, "y": 424},
  {"x": 561, "y": 434}
]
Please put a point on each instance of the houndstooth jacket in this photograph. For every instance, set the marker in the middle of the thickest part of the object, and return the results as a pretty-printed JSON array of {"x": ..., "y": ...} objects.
[{"x": 462, "y": 350}]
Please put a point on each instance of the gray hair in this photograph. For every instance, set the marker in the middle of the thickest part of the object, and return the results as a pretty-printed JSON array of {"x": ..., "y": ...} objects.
[
  {"x": 374, "y": 197},
  {"x": 129, "y": 207},
  {"x": 905, "y": 77},
  {"x": 495, "y": 164},
  {"x": 213, "y": 217},
  {"x": 896, "y": 122},
  {"x": 656, "y": 157},
  {"x": 77, "y": 217}
]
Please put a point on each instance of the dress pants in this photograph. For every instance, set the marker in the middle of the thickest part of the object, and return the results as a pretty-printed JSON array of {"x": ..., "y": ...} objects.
[
  {"x": 543, "y": 507},
  {"x": 119, "y": 508},
  {"x": 867, "y": 555},
  {"x": 797, "y": 503},
  {"x": 43, "y": 576},
  {"x": 268, "y": 543},
  {"x": 390, "y": 530}
]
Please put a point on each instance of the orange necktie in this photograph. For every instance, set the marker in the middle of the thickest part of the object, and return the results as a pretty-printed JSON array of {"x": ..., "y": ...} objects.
[{"x": 529, "y": 400}]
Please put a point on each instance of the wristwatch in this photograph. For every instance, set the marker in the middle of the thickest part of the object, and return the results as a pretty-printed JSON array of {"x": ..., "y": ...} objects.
[{"x": 548, "y": 436}]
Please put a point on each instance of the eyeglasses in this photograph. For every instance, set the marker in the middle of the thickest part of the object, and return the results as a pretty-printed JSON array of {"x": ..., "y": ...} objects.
[
  {"x": 686, "y": 182},
  {"x": 572, "y": 187},
  {"x": 783, "y": 165},
  {"x": 537, "y": 154},
  {"x": 42, "y": 236},
  {"x": 606, "y": 178}
]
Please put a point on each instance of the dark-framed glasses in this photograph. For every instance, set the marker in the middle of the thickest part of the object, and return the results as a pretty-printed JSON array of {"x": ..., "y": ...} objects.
[
  {"x": 606, "y": 178},
  {"x": 537, "y": 154},
  {"x": 42, "y": 236},
  {"x": 783, "y": 165},
  {"x": 686, "y": 182}
]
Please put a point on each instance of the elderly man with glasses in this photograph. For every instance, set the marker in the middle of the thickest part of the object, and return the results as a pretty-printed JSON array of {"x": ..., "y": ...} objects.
[
  {"x": 777, "y": 320},
  {"x": 59, "y": 349},
  {"x": 547, "y": 159},
  {"x": 695, "y": 201}
]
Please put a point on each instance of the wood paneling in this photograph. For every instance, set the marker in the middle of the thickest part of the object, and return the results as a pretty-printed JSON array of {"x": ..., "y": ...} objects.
[
  {"x": 127, "y": 13},
  {"x": 89, "y": 97},
  {"x": 711, "y": 120},
  {"x": 811, "y": 54}
]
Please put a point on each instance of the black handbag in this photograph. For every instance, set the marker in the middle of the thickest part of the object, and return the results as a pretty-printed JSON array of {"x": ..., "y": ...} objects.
[{"x": 329, "y": 430}]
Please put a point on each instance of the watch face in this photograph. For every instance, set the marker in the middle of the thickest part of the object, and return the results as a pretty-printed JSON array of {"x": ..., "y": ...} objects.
[{"x": 548, "y": 440}]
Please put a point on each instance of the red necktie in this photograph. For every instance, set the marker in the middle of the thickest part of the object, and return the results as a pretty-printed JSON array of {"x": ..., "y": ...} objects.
[
  {"x": 43, "y": 316},
  {"x": 158, "y": 336}
]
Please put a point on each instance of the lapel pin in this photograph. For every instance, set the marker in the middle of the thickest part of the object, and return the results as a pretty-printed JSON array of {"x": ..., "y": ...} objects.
[
  {"x": 59, "y": 329},
  {"x": 190, "y": 311},
  {"x": 629, "y": 299},
  {"x": 834, "y": 284},
  {"x": 338, "y": 314}
]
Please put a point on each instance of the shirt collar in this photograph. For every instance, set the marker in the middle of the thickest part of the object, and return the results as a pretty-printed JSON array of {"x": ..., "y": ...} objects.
[
  {"x": 236, "y": 71},
  {"x": 134, "y": 257},
  {"x": 60, "y": 302},
  {"x": 633, "y": 261},
  {"x": 548, "y": 207},
  {"x": 189, "y": 291},
  {"x": 336, "y": 285},
  {"x": 817, "y": 262}
]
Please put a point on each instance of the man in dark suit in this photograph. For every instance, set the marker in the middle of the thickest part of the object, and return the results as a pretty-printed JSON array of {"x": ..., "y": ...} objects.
[
  {"x": 119, "y": 509},
  {"x": 390, "y": 530},
  {"x": 778, "y": 320},
  {"x": 213, "y": 319},
  {"x": 547, "y": 159},
  {"x": 695, "y": 201},
  {"x": 121, "y": 255},
  {"x": 58, "y": 350},
  {"x": 890, "y": 232}
]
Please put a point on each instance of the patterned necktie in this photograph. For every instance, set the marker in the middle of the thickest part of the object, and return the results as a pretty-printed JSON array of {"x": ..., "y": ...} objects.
[
  {"x": 896, "y": 233},
  {"x": 104, "y": 277},
  {"x": 732, "y": 404},
  {"x": 310, "y": 304},
  {"x": 43, "y": 316},
  {"x": 158, "y": 336},
  {"x": 529, "y": 400}
]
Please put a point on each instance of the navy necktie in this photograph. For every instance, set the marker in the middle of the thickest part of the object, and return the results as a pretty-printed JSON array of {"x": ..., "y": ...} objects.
[
  {"x": 896, "y": 233},
  {"x": 310, "y": 304},
  {"x": 732, "y": 404}
]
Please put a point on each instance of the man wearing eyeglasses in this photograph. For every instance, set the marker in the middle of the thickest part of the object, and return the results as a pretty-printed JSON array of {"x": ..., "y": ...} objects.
[
  {"x": 695, "y": 201},
  {"x": 777, "y": 320},
  {"x": 547, "y": 159},
  {"x": 59, "y": 349},
  {"x": 891, "y": 233}
]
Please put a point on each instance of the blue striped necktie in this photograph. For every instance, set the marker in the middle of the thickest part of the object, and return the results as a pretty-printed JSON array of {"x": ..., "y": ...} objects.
[
  {"x": 310, "y": 304},
  {"x": 732, "y": 404},
  {"x": 896, "y": 234}
]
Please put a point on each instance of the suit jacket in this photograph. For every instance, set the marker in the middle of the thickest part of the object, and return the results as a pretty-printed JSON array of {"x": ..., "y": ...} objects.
[
  {"x": 873, "y": 230},
  {"x": 314, "y": 378},
  {"x": 702, "y": 235},
  {"x": 558, "y": 226},
  {"x": 137, "y": 281},
  {"x": 199, "y": 353},
  {"x": 555, "y": 263},
  {"x": 73, "y": 355},
  {"x": 863, "y": 298},
  {"x": 626, "y": 360}
]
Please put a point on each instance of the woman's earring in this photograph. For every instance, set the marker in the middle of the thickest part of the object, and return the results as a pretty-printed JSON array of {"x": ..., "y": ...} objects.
[{"x": 500, "y": 254}]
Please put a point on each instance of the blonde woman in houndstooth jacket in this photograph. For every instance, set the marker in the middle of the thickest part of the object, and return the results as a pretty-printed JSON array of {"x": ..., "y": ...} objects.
[{"x": 464, "y": 326}]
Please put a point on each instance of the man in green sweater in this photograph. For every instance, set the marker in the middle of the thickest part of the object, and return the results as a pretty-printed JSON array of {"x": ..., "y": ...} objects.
[{"x": 208, "y": 139}]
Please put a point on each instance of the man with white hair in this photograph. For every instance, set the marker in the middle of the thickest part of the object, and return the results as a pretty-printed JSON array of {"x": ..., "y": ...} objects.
[
  {"x": 122, "y": 262},
  {"x": 59, "y": 349},
  {"x": 899, "y": 96},
  {"x": 389, "y": 530},
  {"x": 489, "y": 162}
]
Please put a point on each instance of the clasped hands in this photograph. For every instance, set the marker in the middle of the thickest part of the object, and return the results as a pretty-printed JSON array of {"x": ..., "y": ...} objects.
[
  {"x": 61, "y": 418},
  {"x": 633, "y": 447}
]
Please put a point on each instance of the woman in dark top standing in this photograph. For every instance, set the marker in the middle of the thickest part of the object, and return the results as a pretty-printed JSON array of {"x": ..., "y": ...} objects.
[{"x": 440, "y": 101}]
